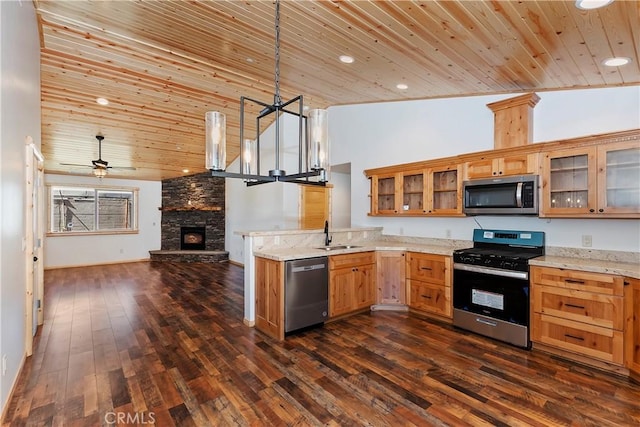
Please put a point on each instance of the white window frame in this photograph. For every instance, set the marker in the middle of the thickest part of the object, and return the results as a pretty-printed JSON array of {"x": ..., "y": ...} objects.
[{"x": 96, "y": 188}]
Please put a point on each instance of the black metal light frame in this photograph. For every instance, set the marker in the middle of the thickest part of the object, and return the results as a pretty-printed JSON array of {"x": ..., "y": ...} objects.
[
  {"x": 276, "y": 174},
  {"x": 278, "y": 108}
]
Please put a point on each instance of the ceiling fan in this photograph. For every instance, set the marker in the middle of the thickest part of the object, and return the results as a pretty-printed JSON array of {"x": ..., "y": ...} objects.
[{"x": 99, "y": 166}]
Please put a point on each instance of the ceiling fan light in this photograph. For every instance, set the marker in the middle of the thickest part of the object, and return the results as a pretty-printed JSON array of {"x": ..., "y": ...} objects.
[
  {"x": 216, "y": 134},
  {"x": 99, "y": 172}
]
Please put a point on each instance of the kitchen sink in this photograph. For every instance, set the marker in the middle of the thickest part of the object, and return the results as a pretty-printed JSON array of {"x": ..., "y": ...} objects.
[{"x": 337, "y": 247}]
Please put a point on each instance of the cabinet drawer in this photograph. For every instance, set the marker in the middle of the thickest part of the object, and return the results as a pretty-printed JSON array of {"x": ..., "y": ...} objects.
[
  {"x": 581, "y": 280},
  {"x": 428, "y": 268},
  {"x": 587, "y": 340},
  {"x": 597, "y": 309},
  {"x": 351, "y": 260},
  {"x": 429, "y": 297}
]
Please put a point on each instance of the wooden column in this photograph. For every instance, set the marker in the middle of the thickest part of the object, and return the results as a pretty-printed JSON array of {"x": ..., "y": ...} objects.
[{"x": 513, "y": 120}]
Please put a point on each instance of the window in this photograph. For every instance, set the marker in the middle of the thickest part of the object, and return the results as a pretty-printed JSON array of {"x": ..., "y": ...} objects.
[{"x": 92, "y": 210}]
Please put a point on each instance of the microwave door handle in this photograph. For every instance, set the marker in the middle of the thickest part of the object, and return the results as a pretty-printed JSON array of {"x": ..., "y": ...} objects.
[{"x": 519, "y": 195}]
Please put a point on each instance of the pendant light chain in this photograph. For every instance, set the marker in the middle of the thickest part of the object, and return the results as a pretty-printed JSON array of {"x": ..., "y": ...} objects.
[{"x": 277, "y": 99}]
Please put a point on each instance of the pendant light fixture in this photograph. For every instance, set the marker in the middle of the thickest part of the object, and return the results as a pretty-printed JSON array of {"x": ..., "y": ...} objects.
[{"x": 313, "y": 130}]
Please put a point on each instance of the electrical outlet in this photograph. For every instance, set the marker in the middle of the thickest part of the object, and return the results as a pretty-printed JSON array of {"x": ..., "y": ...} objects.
[
  {"x": 4, "y": 365},
  {"x": 586, "y": 240},
  {"x": 447, "y": 233}
]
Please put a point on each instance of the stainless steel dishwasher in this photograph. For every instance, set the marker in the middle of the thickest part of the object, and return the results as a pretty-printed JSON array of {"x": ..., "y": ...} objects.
[{"x": 306, "y": 293}]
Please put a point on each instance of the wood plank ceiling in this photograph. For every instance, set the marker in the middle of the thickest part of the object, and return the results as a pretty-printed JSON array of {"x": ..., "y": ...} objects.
[{"x": 163, "y": 64}]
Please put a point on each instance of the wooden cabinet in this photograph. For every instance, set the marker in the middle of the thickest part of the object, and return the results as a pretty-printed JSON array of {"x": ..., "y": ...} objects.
[
  {"x": 351, "y": 282},
  {"x": 431, "y": 191},
  {"x": 579, "y": 312},
  {"x": 390, "y": 281},
  {"x": 385, "y": 190},
  {"x": 592, "y": 181},
  {"x": 445, "y": 191},
  {"x": 270, "y": 297},
  {"x": 429, "y": 283},
  {"x": 632, "y": 336},
  {"x": 518, "y": 164}
]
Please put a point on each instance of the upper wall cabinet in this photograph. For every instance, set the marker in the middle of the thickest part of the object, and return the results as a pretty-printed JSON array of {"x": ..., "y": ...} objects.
[
  {"x": 596, "y": 176},
  {"x": 429, "y": 191},
  {"x": 517, "y": 164},
  {"x": 592, "y": 181}
]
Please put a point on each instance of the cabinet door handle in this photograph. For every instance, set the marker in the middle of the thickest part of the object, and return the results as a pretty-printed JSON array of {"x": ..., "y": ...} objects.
[
  {"x": 425, "y": 268},
  {"x": 574, "y": 305},
  {"x": 574, "y": 337},
  {"x": 426, "y": 296},
  {"x": 577, "y": 282}
]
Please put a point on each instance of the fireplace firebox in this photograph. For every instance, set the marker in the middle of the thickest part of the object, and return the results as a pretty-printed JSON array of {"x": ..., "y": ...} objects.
[{"x": 192, "y": 238}]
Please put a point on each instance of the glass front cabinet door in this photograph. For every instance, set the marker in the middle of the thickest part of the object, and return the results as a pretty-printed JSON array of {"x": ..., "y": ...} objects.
[
  {"x": 445, "y": 190},
  {"x": 384, "y": 194},
  {"x": 619, "y": 179},
  {"x": 413, "y": 194},
  {"x": 592, "y": 181}
]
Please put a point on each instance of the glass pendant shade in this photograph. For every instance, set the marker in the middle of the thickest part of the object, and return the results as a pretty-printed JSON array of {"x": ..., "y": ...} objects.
[
  {"x": 216, "y": 146},
  {"x": 249, "y": 157},
  {"x": 318, "y": 139}
]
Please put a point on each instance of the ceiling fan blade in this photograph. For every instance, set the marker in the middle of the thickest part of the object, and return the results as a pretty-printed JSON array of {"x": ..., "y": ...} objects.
[
  {"x": 128, "y": 168},
  {"x": 76, "y": 165}
]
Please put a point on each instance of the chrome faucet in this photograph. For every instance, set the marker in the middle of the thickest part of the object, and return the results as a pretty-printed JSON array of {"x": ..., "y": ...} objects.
[{"x": 327, "y": 240}]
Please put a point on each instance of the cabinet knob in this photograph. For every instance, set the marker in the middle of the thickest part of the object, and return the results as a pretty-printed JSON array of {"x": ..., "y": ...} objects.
[
  {"x": 592, "y": 210},
  {"x": 601, "y": 210},
  {"x": 500, "y": 173},
  {"x": 493, "y": 173}
]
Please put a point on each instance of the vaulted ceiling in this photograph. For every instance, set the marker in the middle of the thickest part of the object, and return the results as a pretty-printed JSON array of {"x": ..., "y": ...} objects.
[{"x": 163, "y": 64}]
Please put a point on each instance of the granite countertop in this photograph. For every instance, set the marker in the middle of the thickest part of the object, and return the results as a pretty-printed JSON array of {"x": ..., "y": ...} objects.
[
  {"x": 355, "y": 247},
  {"x": 589, "y": 264}
]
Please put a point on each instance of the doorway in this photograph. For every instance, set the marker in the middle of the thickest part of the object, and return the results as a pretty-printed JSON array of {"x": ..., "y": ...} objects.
[{"x": 34, "y": 177}]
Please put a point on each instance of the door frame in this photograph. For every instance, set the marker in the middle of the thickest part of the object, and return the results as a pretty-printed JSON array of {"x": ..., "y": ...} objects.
[{"x": 34, "y": 238}]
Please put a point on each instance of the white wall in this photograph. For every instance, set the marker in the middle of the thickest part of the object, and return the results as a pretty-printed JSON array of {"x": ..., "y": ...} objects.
[
  {"x": 341, "y": 196},
  {"x": 375, "y": 135},
  {"x": 19, "y": 117},
  {"x": 67, "y": 251}
]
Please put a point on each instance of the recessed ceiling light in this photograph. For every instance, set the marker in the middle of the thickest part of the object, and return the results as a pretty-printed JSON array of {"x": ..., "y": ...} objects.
[
  {"x": 592, "y": 4},
  {"x": 616, "y": 61},
  {"x": 346, "y": 59},
  {"x": 402, "y": 86},
  {"x": 102, "y": 101},
  {"x": 250, "y": 60},
  {"x": 185, "y": 170},
  {"x": 305, "y": 108}
]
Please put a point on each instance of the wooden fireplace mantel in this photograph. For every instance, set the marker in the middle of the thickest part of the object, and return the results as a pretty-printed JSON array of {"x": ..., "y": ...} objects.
[{"x": 191, "y": 208}]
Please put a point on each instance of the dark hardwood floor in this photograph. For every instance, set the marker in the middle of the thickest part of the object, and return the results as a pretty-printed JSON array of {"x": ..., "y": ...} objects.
[{"x": 164, "y": 344}]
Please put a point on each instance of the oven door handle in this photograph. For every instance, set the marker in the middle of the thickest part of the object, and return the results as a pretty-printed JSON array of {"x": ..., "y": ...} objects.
[{"x": 523, "y": 275}]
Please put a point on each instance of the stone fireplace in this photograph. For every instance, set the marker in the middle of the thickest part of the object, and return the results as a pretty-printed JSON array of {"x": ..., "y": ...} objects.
[{"x": 193, "y": 224}]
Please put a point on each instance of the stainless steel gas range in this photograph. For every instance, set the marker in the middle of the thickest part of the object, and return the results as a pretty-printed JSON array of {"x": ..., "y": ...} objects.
[{"x": 491, "y": 284}]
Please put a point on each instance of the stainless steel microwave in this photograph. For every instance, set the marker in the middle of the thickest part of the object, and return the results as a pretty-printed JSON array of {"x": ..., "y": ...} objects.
[{"x": 509, "y": 195}]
